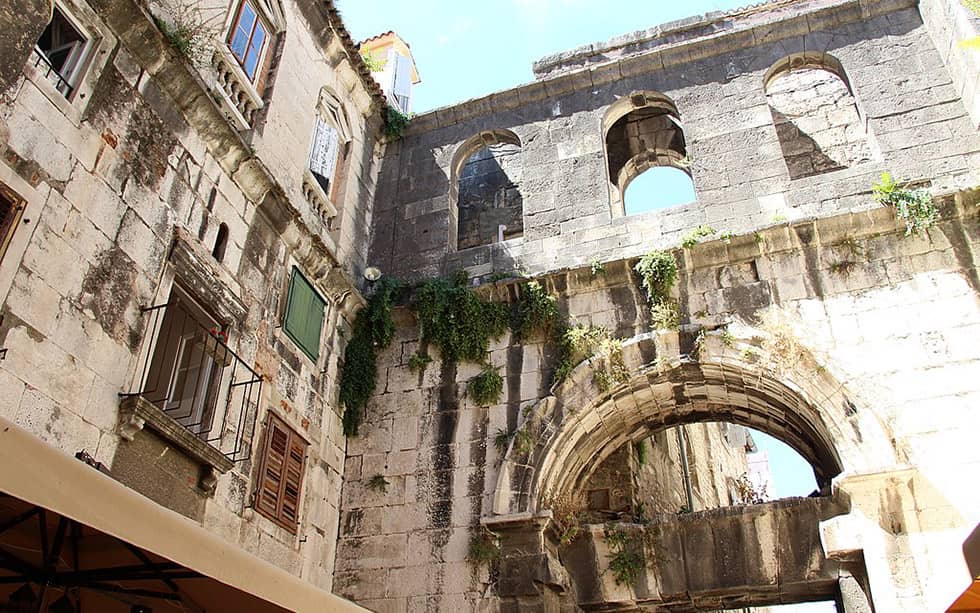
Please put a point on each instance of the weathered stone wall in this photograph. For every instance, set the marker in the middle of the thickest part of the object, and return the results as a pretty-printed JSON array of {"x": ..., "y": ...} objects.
[
  {"x": 490, "y": 196},
  {"x": 863, "y": 321},
  {"x": 140, "y": 157},
  {"x": 713, "y": 463},
  {"x": 716, "y": 81},
  {"x": 817, "y": 122}
]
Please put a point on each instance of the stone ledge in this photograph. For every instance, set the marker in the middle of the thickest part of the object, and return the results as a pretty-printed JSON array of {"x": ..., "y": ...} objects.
[{"x": 135, "y": 413}]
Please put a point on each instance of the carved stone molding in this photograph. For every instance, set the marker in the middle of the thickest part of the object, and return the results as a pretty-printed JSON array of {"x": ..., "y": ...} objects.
[{"x": 135, "y": 413}]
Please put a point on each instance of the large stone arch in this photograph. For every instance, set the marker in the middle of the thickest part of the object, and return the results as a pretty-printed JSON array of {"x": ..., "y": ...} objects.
[{"x": 803, "y": 404}]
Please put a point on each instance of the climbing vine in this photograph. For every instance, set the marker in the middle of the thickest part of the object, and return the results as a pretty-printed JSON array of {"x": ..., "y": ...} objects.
[
  {"x": 456, "y": 320},
  {"x": 373, "y": 330},
  {"x": 914, "y": 206}
]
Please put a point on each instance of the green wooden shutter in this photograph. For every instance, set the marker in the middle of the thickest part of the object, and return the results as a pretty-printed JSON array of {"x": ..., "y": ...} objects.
[{"x": 304, "y": 315}]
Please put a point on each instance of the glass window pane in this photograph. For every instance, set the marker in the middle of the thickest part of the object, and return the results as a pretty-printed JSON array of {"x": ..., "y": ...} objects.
[
  {"x": 242, "y": 31},
  {"x": 254, "y": 51}
]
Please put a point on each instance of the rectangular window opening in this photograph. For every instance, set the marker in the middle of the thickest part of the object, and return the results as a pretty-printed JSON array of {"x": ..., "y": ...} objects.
[
  {"x": 11, "y": 208},
  {"x": 60, "y": 52}
]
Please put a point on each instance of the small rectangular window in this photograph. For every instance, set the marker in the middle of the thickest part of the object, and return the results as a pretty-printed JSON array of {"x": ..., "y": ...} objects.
[
  {"x": 280, "y": 480},
  {"x": 10, "y": 210},
  {"x": 247, "y": 39},
  {"x": 304, "y": 315},
  {"x": 59, "y": 53}
]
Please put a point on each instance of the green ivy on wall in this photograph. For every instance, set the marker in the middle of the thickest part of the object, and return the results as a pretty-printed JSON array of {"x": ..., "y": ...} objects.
[{"x": 373, "y": 330}]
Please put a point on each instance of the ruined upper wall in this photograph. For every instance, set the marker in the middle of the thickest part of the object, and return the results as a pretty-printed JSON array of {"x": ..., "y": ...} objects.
[{"x": 917, "y": 127}]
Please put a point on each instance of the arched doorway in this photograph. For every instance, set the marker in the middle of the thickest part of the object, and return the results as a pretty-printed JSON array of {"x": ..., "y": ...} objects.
[{"x": 759, "y": 554}]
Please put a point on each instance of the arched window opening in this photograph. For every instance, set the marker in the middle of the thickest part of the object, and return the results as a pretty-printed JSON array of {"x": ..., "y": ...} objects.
[
  {"x": 643, "y": 131},
  {"x": 220, "y": 243},
  {"x": 486, "y": 175},
  {"x": 659, "y": 188},
  {"x": 695, "y": 467},
  {"x": 817, "y": 119}
]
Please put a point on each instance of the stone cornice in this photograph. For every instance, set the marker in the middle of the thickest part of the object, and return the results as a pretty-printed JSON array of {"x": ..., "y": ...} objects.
[
  {"x": 685, "y": 41},
  {"x": 190, "y": 96}
]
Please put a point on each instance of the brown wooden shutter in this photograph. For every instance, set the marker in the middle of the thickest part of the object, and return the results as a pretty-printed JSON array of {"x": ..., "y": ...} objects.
[{"x": 281, "y": 475}]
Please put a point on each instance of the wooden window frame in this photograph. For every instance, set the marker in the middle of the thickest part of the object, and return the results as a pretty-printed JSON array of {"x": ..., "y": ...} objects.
[
  {"x": 260, "y": 61},
  {"x": 8, "y": 226},
  {"x": 279, "y": 514}
]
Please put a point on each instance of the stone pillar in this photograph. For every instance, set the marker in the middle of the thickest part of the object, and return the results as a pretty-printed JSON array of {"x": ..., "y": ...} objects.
[
  {"x": 852, "y": 595},
  {"x": 531, "y": 577},
  {"x": 22, "y": 23}
]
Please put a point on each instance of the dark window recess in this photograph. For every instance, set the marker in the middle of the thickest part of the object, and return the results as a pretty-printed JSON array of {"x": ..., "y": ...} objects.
[
  {"x": 280, "y": 482},
  {"x": 304, "y": 315},
  {"x": 192, "y": 376},
  {"x": 59, "y": 52},
  {"x": 220, "y": 243},
  {"x": 10, "y": 210}
]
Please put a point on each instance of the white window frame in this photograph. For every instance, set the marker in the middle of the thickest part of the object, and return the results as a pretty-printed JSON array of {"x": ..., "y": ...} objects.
[{"x": 88, "y": 67}]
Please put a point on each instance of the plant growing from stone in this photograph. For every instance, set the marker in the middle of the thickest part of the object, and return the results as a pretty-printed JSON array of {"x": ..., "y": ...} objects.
[
  {"x": 373, "y": 330},
  {"x": 483, "y": 548},
  {"x": 597, "y": 267},
  {"x": 914, "y": 207},
  {"x": 694, "y": 236},
  {"x": 640, "y": 447},
  {"x": 395, "y": 123},
  {"x": 658, "y": 272},
  {"x": 487, "y": 387},
  {"x": 748, "y": 492},
  {"x": 625, "y": 555},
  {"x": 188, "y": 29},
  {"x": 665, "y": 315},
  {"x": 419, "y": 361},
  {"x": 566, "y": 514},
  {"x": 379, "y": 484},
  {"x": 537, "y": 312},
  {"x": 581, "y": 342}
]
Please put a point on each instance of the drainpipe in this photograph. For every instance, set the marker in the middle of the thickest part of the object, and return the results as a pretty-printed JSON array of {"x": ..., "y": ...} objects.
[{"x": 682, "y": 441}]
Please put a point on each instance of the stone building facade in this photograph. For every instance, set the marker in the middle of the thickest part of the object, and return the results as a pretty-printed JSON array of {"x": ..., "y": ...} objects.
[
  {"x": 784, "y": 115},
  {"x": 187, "y": 225},
  {"x": 187, "y": 235}
]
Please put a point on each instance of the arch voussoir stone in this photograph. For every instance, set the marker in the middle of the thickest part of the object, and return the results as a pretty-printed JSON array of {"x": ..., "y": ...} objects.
[{"x": 579, "y": 425}]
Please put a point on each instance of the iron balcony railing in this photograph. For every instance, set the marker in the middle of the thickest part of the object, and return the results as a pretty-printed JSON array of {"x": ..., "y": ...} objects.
[
  {"x": 189, "y": 373},
  {"x": 40, "y": 61}
]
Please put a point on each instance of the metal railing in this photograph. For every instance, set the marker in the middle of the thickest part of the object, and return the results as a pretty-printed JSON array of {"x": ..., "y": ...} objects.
[
  {"x": 191, "y": 375},
  {"x": 40, "y": 61}
]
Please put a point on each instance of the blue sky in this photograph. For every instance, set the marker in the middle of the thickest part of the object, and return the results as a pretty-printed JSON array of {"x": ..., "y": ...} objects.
[{"x": 470, "y": 49}]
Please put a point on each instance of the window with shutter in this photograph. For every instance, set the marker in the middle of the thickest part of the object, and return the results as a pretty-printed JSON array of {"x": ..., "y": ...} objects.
[
  {"x": 323, "y": 155},
  {"x": 403, "y": 82},
  {"x": 280, "y": 480},
  {"x": 304, "y": 315},
  {"x": 10, "y": 209}
]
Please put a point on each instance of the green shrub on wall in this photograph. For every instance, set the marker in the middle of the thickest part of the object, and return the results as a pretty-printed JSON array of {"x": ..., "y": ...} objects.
[
  {"x": 914, "y": 206},
  {"x": 456, "y": 320}
]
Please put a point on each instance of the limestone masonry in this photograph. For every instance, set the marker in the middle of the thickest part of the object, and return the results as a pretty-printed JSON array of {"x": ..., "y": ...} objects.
[{"x": 202, "y": 204}]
